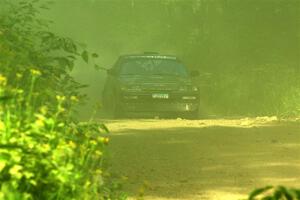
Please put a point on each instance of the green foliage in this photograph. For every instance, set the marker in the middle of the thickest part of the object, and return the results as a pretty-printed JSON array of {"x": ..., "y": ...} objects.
[
  {"x": 274, "y": 193},
  {"x": 44, "y": 152},
  {"x": 26, "y": 43},
  {"x": 43, "y": 156},
  {"x": 259, "y": 90}
]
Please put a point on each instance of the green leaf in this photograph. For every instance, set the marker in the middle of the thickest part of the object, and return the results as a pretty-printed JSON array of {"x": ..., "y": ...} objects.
[
  {"x": 2, "y": 165},
  {"x": 65, "y": 62},
  {"x": 69, "y": 46},
  {"x": 85, "y": 56},
  {"x": 297, "y": 192},
  {"x": 285, "y": 192},
  {"x": 5, "y": 98},
  {"x": 258, "y": 192},
  {"x": 5, "y": 157},
  {"x": 94, "y": 55},
  {"x": 104, "y": 128},
  {"x": 97, "y": 67},
  {"x": 268, "y": 198}
]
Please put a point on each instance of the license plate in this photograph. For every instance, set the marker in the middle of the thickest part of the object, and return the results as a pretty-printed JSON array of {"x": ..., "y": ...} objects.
[{"x": 160, "y": 96}]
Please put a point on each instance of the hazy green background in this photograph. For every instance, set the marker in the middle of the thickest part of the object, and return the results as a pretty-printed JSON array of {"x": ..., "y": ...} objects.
[{"x": 247, "y": 51}]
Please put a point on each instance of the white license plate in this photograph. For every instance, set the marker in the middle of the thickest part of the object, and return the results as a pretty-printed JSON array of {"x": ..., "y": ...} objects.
[{"x": 160, "y": 96}]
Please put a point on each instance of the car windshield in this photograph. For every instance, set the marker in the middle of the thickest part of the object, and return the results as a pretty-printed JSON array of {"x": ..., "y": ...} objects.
[{"x": 146, "y": 66}]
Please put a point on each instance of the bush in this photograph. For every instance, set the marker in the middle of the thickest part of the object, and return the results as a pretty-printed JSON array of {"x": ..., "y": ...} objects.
[
  {"x": 265, "y": 90},
  {"x": 27, "y": 44},
  {"x": 45, "y": 156},
  {"x": 44, "y": 152}
]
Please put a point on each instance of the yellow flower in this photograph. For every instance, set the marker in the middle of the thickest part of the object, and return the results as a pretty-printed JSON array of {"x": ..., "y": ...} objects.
[
  {"x": 87, "y": 184},
  {"x": 33, "y": 182},
  {"x": 13, "y": 140},
  {"x": 74, "y": 98},
  {"x": 20, "y": 91},
  {"x": 28, "y": 174},
  {"x": 70, "y": 166},
  {"x": 19, "y": 75},
  {"x": 15, "y": 171},
  {"x": 30, "y": 145},
  {"x": 39, "y": 123},
  {"x": 93, "y": 142},
  {"x": 45, "y": 148},
  {"x": 44, "y": 110},
  {"x": 35, "y": 72},
  {"x": 60, "y": 98},
  {"x": 2, "y": 126},
  {"x": 3, "y": 80},
  {"x": 72, "y": 144},
  {"x": 61, "y": 125},
  {"x": 98, "y": 153},
  {"x": 104, "y": 140}
]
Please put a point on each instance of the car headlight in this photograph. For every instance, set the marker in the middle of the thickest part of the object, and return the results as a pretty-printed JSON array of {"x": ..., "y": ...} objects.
[
  {"x": 194, "y": 88},
  {"x": 188, "y": 88},
  {"x": 183, "y": 88}
]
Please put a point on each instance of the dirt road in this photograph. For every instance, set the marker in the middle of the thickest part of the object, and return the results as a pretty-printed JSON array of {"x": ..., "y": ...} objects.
[{"x": 204, "y": 159}]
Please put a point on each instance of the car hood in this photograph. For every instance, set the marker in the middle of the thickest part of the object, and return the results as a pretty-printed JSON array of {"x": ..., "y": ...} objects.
[{"x": 155, "y": 82}]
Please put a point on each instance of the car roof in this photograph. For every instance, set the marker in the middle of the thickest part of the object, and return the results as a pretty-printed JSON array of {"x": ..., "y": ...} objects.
[{"x": 149, "y": 55}]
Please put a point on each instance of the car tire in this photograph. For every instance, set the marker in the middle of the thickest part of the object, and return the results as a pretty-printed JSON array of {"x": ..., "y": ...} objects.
[
  {"x": 193, "y": 115},
  {"x": 115, "y": 110}
]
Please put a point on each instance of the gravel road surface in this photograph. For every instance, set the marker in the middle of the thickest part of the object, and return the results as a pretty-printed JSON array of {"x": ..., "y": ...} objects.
[{"x": 220, "y": 159}]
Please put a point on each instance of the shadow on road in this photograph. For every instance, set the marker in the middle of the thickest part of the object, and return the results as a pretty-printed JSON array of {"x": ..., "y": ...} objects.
[{"x": 206, "y": 162}]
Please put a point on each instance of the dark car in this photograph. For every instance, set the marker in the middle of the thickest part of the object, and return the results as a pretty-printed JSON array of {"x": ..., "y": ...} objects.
[{"x": 150, "y": 83}]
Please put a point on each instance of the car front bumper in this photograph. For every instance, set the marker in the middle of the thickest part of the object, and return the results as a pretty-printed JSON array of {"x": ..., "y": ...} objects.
[
  {"x": 160, "y": 107},
  {"x": 176, "y": 102}
]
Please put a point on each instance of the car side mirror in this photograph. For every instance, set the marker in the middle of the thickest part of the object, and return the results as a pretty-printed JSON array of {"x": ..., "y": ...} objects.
[{"x": 194, "y": 73}]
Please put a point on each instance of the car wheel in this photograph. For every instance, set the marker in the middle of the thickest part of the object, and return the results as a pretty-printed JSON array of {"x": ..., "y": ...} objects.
[
  {"x": 194, "y": 115},
  {"x": 115, "y": 110}
]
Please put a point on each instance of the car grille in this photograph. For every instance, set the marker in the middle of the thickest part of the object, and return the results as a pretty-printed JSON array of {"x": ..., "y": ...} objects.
[
  {"x": 148, "y": 98},
  {"x": 159, "y": 87}
]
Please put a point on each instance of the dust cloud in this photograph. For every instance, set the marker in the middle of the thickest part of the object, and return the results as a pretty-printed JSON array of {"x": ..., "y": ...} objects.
[{"x": 247, "y": 52}]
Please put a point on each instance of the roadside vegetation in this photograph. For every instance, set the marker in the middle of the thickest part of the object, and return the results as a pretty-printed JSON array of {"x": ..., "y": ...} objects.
[
  {"x": 275, "y": 193},
  {"x": 44, "y": 152}
]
